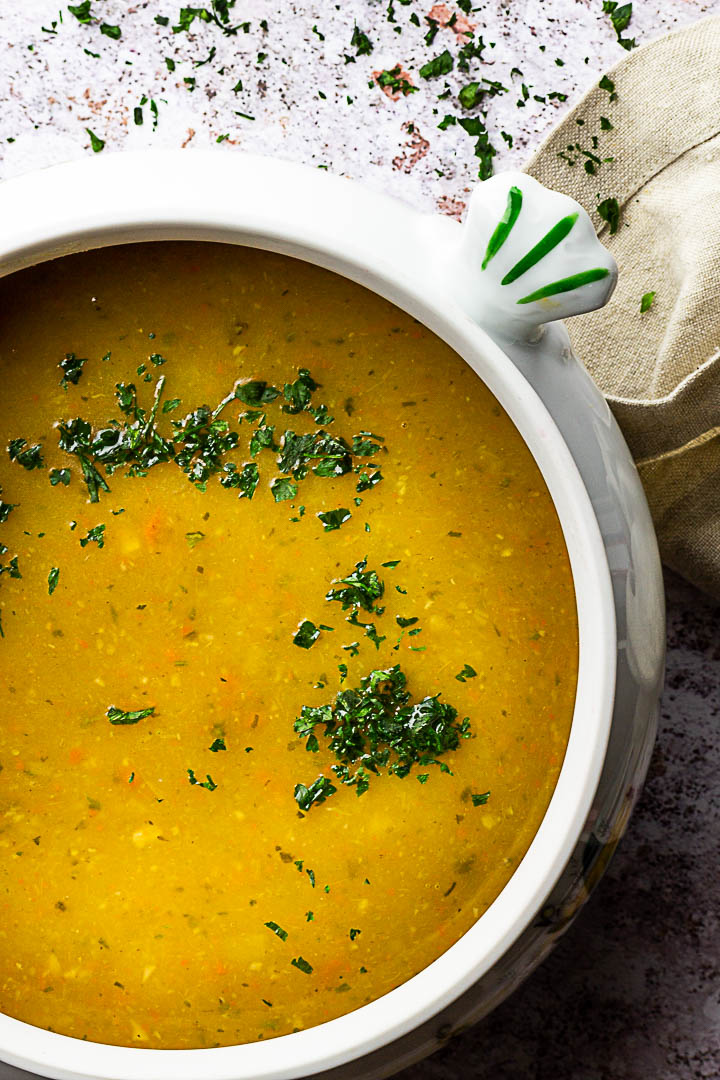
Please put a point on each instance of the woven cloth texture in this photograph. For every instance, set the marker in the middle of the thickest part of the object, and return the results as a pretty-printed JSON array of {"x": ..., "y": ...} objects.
[{"x": 659, "y": 369}]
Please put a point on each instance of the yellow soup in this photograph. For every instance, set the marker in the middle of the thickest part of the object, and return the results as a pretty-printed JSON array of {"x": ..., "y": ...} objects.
[{"x": 286, "y": 680}]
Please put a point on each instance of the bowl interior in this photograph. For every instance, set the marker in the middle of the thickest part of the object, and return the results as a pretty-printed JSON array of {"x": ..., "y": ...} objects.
[{"x": 120, "y": 212}]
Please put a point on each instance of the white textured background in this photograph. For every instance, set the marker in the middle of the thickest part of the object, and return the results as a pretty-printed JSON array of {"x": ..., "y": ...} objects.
[{"x": 633, "y": 990}]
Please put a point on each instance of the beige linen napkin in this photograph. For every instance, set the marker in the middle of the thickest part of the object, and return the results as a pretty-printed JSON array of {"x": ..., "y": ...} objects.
[{"x": 660, "y": 370}]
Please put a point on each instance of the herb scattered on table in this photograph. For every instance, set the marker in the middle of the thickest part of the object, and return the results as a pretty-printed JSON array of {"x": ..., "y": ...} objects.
[
  {"x": 609, "y": 211},
  {"x": 608, "y": 85},
  {"x": 439, "y": 65},
  {"x": 395, "y": 81},
  {"x": 647, "y": 302},
  {"x": 620, "y": 16},
  {"x": 96, "y": 142},
  {"x": 360, "y": 42}
]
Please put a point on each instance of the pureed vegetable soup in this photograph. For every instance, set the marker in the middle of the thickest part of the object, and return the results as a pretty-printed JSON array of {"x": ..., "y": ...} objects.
[{"x": 289, "y": 653}]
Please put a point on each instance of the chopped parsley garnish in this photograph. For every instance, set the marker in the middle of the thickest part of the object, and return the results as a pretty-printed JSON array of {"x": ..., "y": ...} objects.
[
  {"x": 366, "y": 444},
  {"x": 81, "y": 11},
  {"x": 120, "y": 716},
  {"x": 217, "y": 14},
  {"x": 317, "y": 792},
  {"x": 113, "y": 32},
  {"x": 96, "y": 142},
  {"x": 30, "y": 457},
  {"x": 94, "y": 536},
  {"x": 53, "y": 578},
  {"x": 283, "y": 489},
  {"x": 361, "y": 42},
  {"x": 329, "y": 455},
  {"x": 208, "y": 783},
  {"x": 218, "y": 744},
  {"x": 360, "y": 589},
  {"x": 256, "y": 393},
  {"x": 484, "y": 150},
  {"x": 307, "y": 634},
  {"x": 609, "y": 211},
  {"x": 439, "y": 65},
  {"x": 302, "y": 965},
  {"x": 374, "y": 728},
  {"x": 58, "y": 476},
  {"x": 620, "y": 16},
  {"x": 466, "y": 673},
  {"x": 480, "y": 800},
  {"x": 6, "y": 509},
  {"x": 395, "y": 81},
  {"x": 368, "y": 480},
  {"x": 646, "y": 303},
  {"x": 333, "y": 519},
  {"x": 354, "y": 933},
  {"x": 12, "y": 568},
  {"x": 277, "y": 930},
  {"x": 201, "y": 439},
  {"x": 608, "y": 85},
  {"x": 298, "y": 393},
  {"x": 402, "y": 623},
  {"x": 72, "y": 367}
]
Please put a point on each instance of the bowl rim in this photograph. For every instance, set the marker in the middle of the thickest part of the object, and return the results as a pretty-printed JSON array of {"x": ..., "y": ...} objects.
[{"x": 49, "y": 214}]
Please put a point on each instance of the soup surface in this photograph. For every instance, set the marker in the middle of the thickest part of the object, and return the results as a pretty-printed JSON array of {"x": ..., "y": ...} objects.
[{"x": 193, "y": 605}]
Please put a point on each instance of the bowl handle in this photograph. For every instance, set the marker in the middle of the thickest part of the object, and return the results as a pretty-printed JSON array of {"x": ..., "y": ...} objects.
[{"x": 527, "y": 256}]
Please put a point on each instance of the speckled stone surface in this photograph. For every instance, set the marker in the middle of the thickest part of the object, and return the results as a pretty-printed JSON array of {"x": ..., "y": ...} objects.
[{"x": 632, "y": 992}]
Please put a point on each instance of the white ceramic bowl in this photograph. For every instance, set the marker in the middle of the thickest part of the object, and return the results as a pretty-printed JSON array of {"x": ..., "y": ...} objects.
[{"x": 431, "y": 268}]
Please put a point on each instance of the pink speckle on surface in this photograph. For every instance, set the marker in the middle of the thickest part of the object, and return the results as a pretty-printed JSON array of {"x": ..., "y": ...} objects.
[
  {"x": 454, "y": 208},
  {"x": 442, "y": 15},
  {"x": 413, "y": 150}
]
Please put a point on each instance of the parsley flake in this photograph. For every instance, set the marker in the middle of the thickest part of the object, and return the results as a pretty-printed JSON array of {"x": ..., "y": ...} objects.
[
  {"x": 120, "y": 716},
  {"x": 277, "y": 930},
  {"x": 302, "y": 965},
  {"x": 466, "y": 673}
]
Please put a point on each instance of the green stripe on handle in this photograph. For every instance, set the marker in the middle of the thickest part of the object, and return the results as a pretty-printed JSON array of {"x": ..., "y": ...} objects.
[
  {"x": 576, "y": 281},
  {"x": 541, "y": 249},
  {"x": 505, "y": 225}
]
